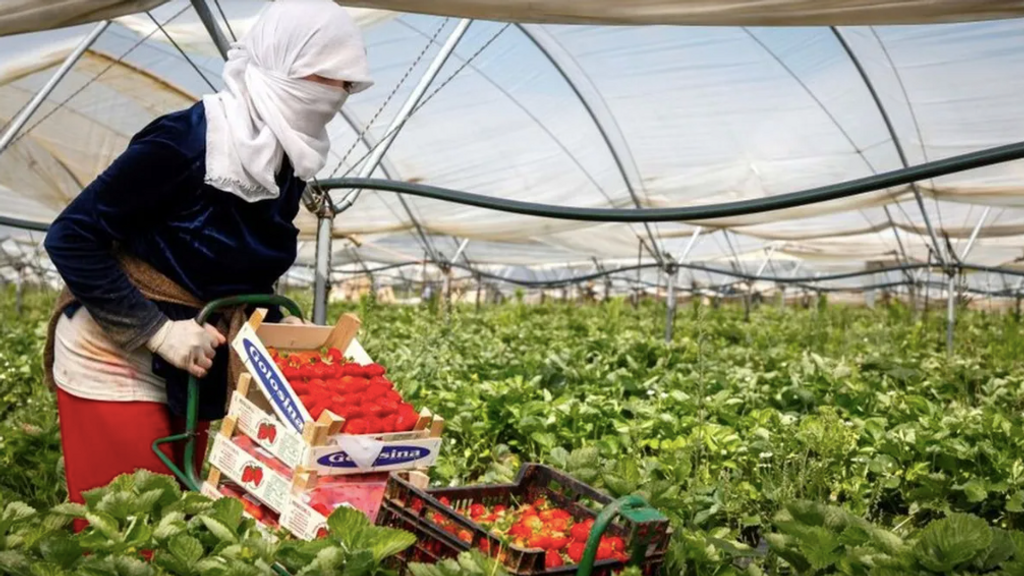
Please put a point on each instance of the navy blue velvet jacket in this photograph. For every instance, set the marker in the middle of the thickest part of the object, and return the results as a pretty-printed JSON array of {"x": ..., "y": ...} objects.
[{"x": 153, "y": 203}]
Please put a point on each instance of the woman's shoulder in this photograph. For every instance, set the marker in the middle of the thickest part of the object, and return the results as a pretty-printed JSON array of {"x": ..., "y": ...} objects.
[{"x": 183, "y": 131}]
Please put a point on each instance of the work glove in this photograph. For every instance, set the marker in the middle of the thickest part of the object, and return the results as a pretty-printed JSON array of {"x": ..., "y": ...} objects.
[
  {"x": 295, "y": 321},
  {"x": 187, "y": 345}
]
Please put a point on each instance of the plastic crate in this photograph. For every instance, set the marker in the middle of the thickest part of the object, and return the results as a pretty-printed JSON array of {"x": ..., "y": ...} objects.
[{"x": 411, "y": 508}]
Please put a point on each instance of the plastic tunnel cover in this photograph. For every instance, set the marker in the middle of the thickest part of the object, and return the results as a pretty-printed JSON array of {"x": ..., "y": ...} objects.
[{"x": 684, "y": 115}]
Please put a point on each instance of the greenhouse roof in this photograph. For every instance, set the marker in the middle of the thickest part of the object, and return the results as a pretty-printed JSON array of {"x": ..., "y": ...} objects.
[{"x": 561, "y": 107}]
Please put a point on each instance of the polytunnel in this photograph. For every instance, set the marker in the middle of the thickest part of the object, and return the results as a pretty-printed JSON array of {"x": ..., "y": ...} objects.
[{"x": 585, "y": 104}]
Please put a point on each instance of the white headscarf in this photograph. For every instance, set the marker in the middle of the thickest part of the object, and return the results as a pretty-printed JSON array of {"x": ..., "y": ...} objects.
[{"x": 266, "y": 111}]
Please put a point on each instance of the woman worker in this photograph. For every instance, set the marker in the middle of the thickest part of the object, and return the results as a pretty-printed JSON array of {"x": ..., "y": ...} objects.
[{"x": 198, "y": 207}]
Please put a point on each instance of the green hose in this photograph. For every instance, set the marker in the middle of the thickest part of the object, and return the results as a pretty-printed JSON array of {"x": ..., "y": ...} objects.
[
  {"x": 633, "y": 507},
  {"x": 188, "y": 476}
]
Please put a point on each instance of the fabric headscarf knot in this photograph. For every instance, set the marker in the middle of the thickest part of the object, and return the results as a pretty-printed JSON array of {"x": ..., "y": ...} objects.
[{"x": 266, "y": 110}]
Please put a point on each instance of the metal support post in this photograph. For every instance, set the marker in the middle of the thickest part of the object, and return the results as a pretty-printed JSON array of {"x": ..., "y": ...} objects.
[
  {"x": 212, "y": 27},
  {"x": 323, "y": 245},
  {"x": 19, "y": 121},
  {"x": 950, "y": 314},
  {"x": 479, "y": 289},
  {"x": 952, "y": 272},
  {"x": 19, "y": 291},
  {"x": 974, "y": 233},
  {"x": 670, "y": 314},
  {"x": 322, "y": 274}
]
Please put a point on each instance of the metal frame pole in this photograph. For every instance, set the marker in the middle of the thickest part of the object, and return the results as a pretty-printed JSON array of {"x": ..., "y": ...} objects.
[
  {"x": 671, "y": 271},
  {"x": 21, "y": 119},
  {"x": 670, "y": 318},
  {"x": 323, "y": 245},
  {"x": 953, "y": 271},
  {"x": 216, "y": 34}
]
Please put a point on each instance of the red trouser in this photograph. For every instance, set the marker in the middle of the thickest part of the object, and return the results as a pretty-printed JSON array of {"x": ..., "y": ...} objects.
[{"x": 103, "y": 440}]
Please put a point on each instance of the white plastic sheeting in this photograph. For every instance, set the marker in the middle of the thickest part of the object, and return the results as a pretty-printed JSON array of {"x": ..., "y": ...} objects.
[{"x": 591, "y": 116}]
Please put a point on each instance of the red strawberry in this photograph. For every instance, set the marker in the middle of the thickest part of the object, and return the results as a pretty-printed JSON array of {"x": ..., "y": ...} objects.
[
  {"x": 484, "y": 545},
  {"x": 576, "y": 551},
  {"x": 335, "y": 355},
  {"x": 389, "y": 424},
  {"x": 498, "y": 509},
  {"x": 147, "y": 555},
  {"x": 552, "y": 559},
  {"x": 465, "y": 535},
  {"x": 387, "y": 406},
  {"x": 616, "y": 543},
  {"x": 539, "y": 541},
  {"x": 371, "y": 370},
  {"x": 374, "y": 425},
  {"x": 540, "y": 503},
  {"x": 381, "y": 381},
  {"x": 355, "y": 426},
  {"x": 444, "y": 500},
  {"x": 477, "y": 510},
  {"x": 352, "y": 369},
  {"x": 604, "y": 550},
  {"x": 558, "y": 541},
  {"x": 321, "y": 532},
  {"x": 559, "y": 524},
  {"x": 373, "y": 410},
  {"x": 581, "y": 530}
]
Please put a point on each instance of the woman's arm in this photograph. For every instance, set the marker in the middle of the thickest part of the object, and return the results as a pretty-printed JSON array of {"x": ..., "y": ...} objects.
[{"x": 126, "y": 200}]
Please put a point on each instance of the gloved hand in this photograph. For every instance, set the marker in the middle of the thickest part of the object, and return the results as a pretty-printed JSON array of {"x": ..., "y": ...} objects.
[
  {"x": 295, "y": 321},
  {"x": 187, "y": 345}
]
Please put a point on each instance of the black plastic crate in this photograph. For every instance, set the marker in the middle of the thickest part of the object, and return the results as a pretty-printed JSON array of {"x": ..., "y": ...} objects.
[{"x": 413, "y": 509}]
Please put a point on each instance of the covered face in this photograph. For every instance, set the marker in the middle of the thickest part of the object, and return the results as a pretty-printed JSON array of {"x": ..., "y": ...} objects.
[{"x": 268, "y": 109}]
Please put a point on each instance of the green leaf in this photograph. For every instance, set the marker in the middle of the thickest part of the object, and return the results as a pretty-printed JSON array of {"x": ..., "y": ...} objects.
[
  {"x": 186, "y": 549},
  {"x": 70, "y": 509},
  {"x": 1015, "y": 503},
  {"x": 47, "y": 569},
  {"x": 170, "y": 563},
  {"x": 361, "y": 563},
  {"x": 347, "y": 524},
  {"x": 219, "y": 529},
  {"x": 546, "y": 440},
  {"x": 132, "y": 567},
  {"x": 16, "y": 512},
  {"x": 390, "y": 541},
  {"x": 169, "y": 526},
  {"x": 105, "y": 525},
  {"x": 945, "y": 544},
  {"x": 60, "y": 550},
  {"x": 119, "y": 505},
  {"x": 325, "y": 562},
  {"x": 975, "y": 491},
  {"x": 228, "y": 511},
  {"x": 15, "y": 563},
  {"x": 1000, "y": 550}
]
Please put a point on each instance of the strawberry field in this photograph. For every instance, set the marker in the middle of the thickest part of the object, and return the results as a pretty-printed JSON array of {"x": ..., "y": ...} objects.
[{"x": 828, "y": 440}]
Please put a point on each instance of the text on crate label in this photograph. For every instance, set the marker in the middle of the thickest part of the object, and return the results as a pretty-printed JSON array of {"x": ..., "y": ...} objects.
[
  {"x": 390, "y": 456},
  {"x": 280, "y": 395}
]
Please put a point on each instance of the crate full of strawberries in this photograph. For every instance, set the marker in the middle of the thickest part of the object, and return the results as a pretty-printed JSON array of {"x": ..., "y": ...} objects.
[
  {"x": 311, "y": 373},
  {"x": 539, "y": 524}
]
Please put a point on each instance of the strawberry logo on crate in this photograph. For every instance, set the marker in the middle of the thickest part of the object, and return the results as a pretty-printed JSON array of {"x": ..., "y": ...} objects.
[
  {"x": 266, "y": 431},
  {"x": 252, "y": 474},
  {"x": 321, "y": 532}
]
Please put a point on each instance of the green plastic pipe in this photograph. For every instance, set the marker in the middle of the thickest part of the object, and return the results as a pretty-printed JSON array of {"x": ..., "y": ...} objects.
[
  {"x": 188, "y": 476},
  {"x": 624, "y": 505},
  {"x": 882, "y": 181}
]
